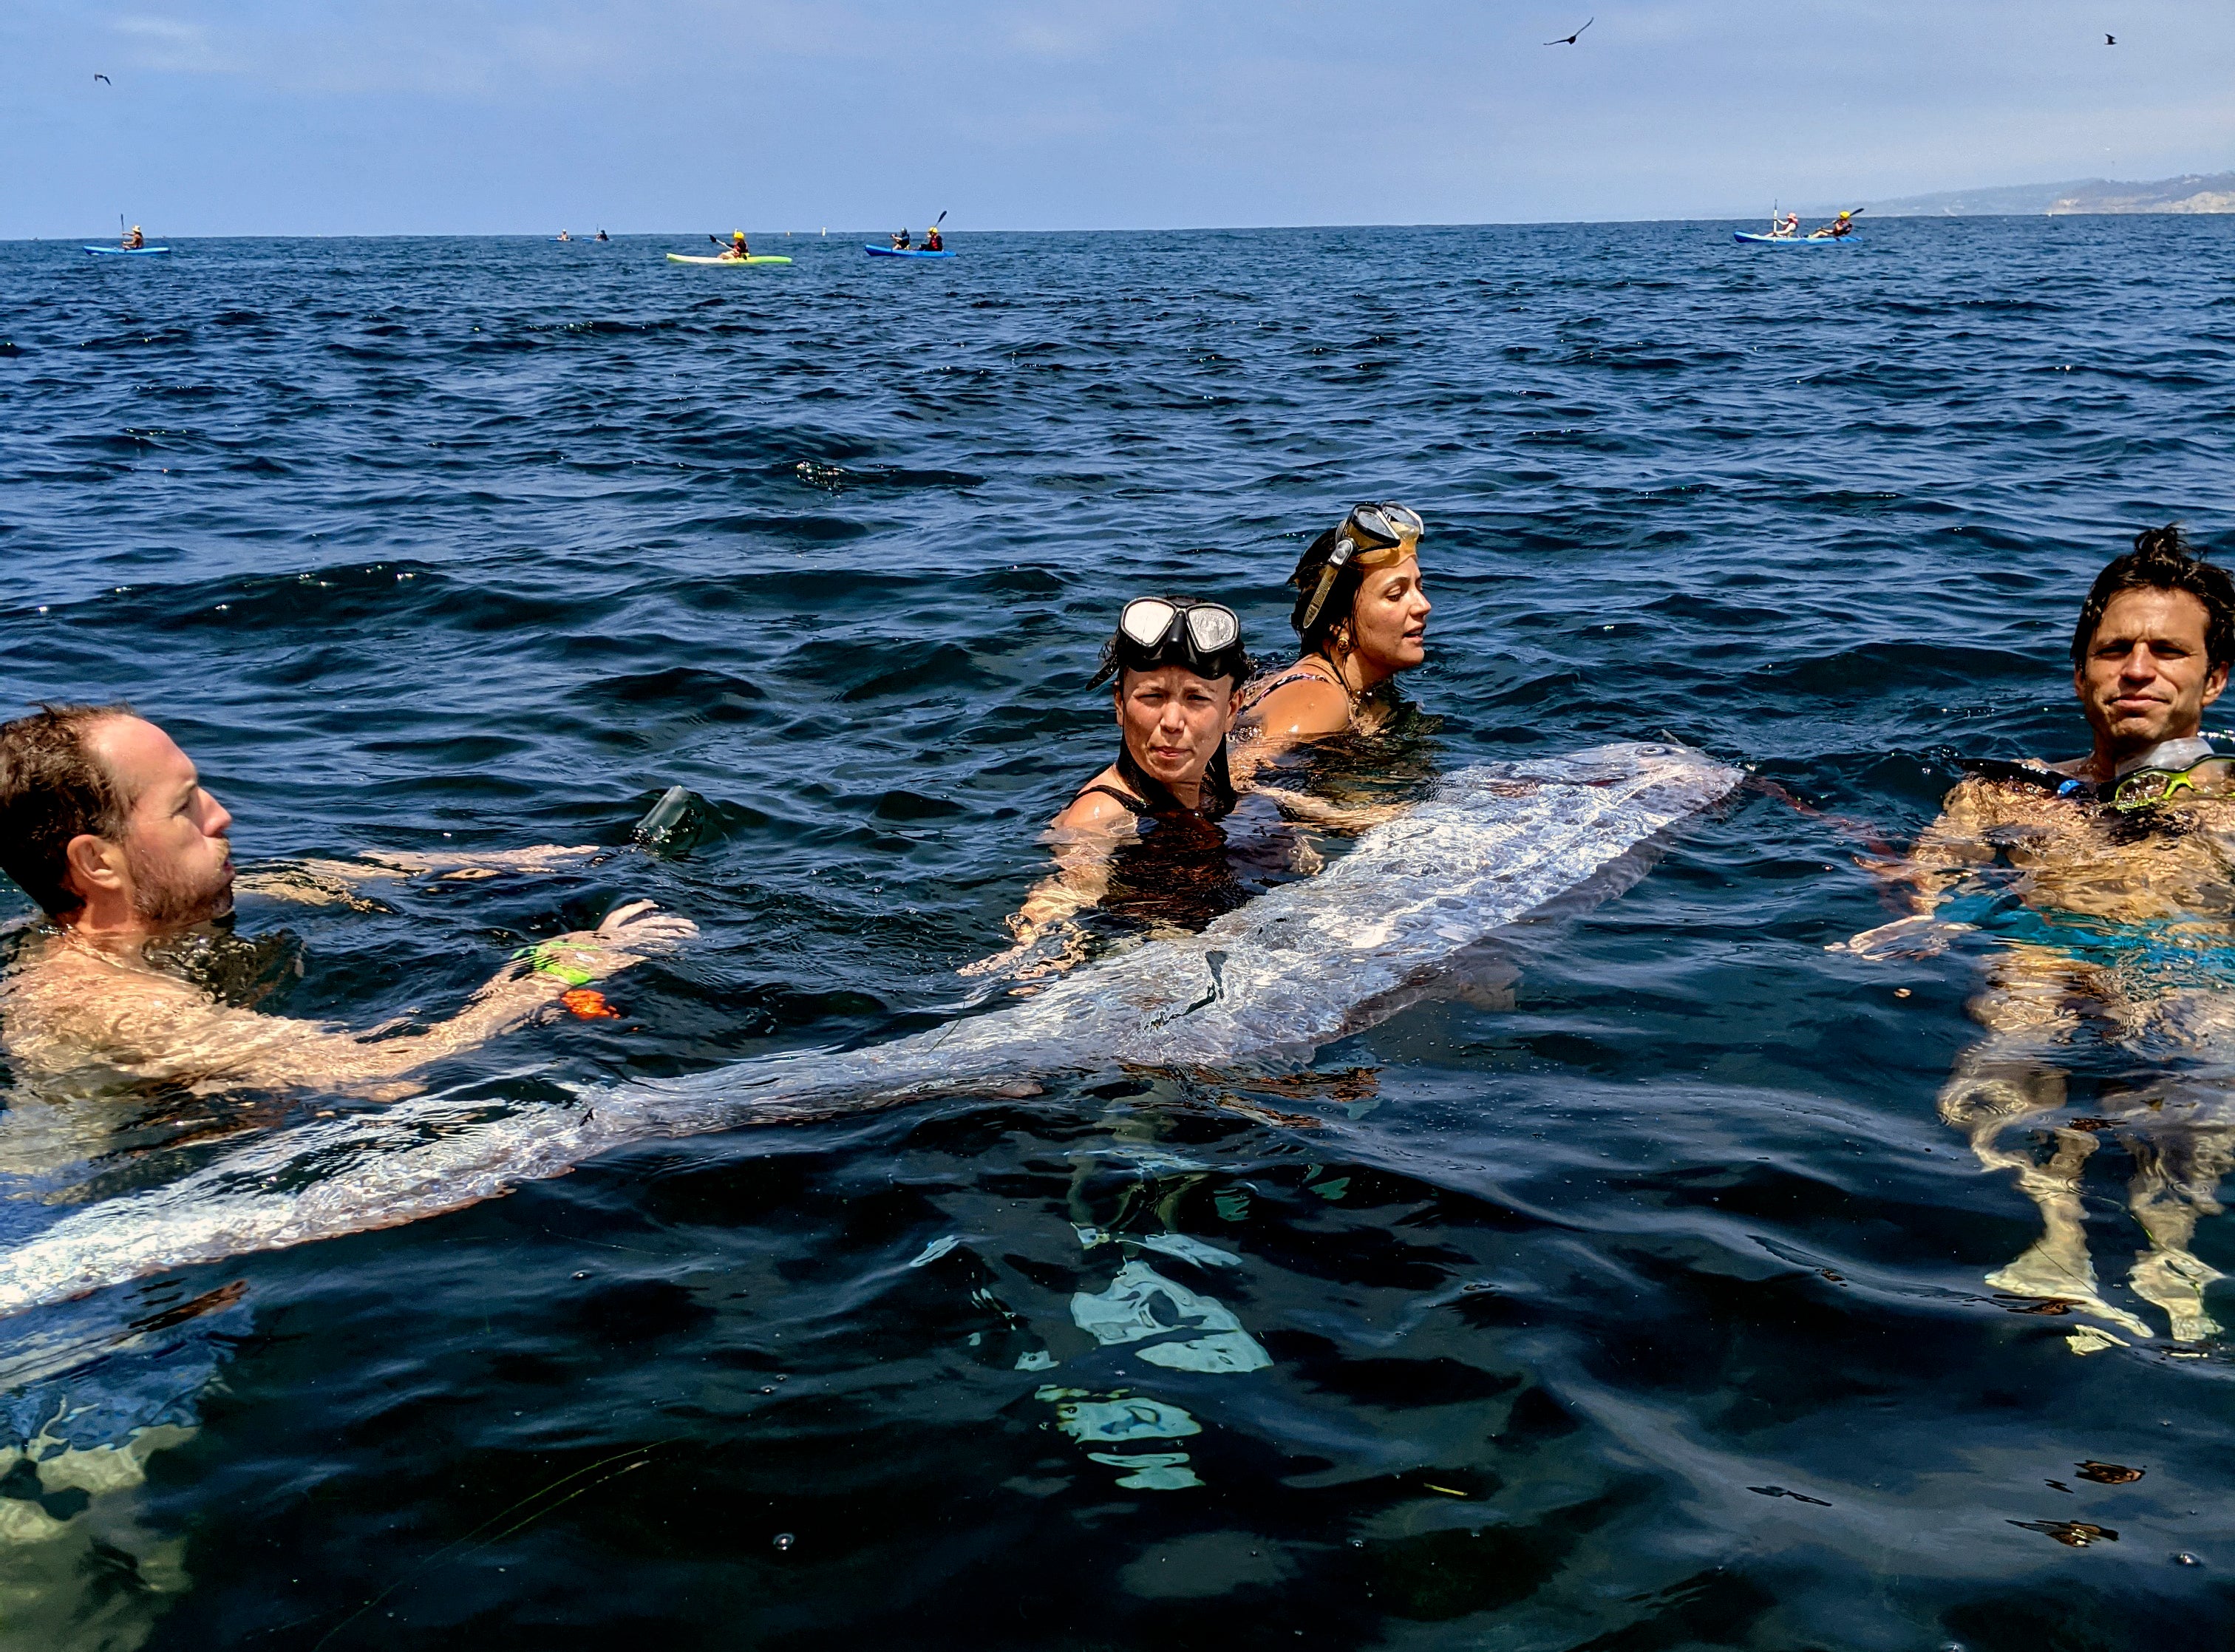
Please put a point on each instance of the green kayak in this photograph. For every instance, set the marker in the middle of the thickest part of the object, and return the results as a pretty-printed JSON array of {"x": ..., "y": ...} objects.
[{"x": 680, "y": 258}]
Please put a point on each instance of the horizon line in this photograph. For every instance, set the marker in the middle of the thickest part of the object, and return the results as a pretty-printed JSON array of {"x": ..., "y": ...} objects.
[{"x": 1169, "y": 229}]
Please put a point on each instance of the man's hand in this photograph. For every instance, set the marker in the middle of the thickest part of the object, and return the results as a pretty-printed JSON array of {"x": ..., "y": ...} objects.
[
  {"x": 629, "y": 936},
  {"x": 1924, "y": 936}
]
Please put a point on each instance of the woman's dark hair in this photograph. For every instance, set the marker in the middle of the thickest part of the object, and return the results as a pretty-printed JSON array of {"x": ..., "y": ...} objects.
[
  {"x": 2162, "y": 560},
  {"x": 52, "y": 789}
]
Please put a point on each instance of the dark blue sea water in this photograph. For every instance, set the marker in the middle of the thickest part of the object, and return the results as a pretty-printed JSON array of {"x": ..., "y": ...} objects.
[{"x": 445, "y": 545}]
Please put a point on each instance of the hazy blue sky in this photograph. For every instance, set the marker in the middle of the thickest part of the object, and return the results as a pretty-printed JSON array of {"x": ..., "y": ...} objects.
[{"x": 266, "y": 117}]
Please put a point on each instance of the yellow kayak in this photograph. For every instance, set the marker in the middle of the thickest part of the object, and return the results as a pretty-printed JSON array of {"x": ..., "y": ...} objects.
[{"x": 679, "y": 258}]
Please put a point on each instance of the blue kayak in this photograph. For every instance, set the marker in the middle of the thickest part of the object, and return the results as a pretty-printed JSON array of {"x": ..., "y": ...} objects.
[
  {"x": 904, "y": 252},
  {"x": 129, "y": 252},
  {"x": 1790, "y": 241}
]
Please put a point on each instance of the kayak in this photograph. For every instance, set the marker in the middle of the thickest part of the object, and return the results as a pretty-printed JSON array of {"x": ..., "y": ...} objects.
[
  {"x": 1790, "y": 241},
  {"x": 904, "y": 252},
  {"x": 684, "y": 258},
  {"x": 129, "y": 252}
]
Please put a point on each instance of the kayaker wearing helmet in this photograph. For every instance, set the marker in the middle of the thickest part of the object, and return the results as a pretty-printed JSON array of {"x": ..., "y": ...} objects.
[
  {"x": 1143, "y": 839},
  {"x": 1844, "y": 224},
  {"x": 737, "y": 249},
  {"x": 900, "y": 242},
  {"x": 934, "y": 241},
  {"x": 1361, "y": 616}
]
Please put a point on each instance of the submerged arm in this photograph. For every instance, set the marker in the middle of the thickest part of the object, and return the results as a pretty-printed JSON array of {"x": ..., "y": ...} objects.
[
  {"x": 163, "y": 1028},
  {"x": 1946, "y": 853},
  {"x": 1086, "y": 835}
]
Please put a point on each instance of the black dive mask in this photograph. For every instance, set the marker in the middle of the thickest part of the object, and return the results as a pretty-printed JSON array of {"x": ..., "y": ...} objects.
[{"x": 1204, "y": 637}]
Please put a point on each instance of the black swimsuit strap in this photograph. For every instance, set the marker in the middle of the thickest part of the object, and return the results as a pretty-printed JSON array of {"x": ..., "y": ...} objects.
[{"x": 1133, "y": 805}]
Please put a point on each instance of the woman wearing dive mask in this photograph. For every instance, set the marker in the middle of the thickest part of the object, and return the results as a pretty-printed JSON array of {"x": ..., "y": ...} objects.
[
  {"x": 1361, "y": 618},
  {"x": 1143, "y": 835}
]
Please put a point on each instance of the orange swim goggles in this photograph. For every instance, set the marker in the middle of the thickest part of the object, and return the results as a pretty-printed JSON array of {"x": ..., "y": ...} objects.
[{"x": 1369, "y": 537}]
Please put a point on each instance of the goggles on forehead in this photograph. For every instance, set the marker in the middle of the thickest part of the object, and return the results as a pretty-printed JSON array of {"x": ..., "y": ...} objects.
[
  {"x": 1370, "y": 536},
  {"x": 1205, "y": 637}
]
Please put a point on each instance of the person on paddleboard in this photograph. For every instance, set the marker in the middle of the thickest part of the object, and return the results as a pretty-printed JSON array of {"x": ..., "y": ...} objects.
[
  {"x": 2097, "y": 892},
  {"x": 134, "y": 240},
  {"x": 137, "y": 983}
]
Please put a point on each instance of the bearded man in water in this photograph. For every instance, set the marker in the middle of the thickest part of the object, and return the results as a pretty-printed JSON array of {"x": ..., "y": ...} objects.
[
  {"x": 105, "y": 823},
  {"x": 2109, "y": 881}
]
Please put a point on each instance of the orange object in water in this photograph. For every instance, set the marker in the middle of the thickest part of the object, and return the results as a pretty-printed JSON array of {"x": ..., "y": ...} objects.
[{"x": 590, "y": 1004}]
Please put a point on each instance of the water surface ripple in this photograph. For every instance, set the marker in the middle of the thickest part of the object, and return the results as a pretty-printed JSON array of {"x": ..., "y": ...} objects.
[{"x": 459, "y": 544}]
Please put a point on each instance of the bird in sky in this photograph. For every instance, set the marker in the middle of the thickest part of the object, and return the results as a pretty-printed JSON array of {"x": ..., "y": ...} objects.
[
  {"x": 2110, "y": 40},
  {"x": 104, "y": 80},
  {"x": 1570, "y": 40}
]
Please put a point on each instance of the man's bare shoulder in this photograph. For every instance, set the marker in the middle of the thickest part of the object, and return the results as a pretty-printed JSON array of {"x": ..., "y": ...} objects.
[{"x": 64, "y": 1007}]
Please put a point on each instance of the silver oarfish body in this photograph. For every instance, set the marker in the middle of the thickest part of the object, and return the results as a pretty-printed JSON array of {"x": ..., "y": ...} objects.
[{"x": 1269, "y": 983}]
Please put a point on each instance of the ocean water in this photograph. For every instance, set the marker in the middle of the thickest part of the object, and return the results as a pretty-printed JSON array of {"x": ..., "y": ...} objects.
[{"x": 1645, "y": 1311}]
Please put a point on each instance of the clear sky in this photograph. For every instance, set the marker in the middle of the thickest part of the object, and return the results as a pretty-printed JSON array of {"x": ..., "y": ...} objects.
[{"x": 466, "y": 116}]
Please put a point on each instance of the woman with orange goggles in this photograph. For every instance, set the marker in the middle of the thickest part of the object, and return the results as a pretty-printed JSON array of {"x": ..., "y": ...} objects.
[{"x": 1361, "y": 616}]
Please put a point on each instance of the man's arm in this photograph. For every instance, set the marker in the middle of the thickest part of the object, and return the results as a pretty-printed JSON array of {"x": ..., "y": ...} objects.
[
  {"x": 321, "y": 882},
  {"x": 1945, "y": 853},
  {"x": 164, "y": 1029}
]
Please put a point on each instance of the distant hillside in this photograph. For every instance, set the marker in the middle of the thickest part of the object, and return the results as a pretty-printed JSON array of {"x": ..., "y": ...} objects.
[{"x": 2212, "y": 192}]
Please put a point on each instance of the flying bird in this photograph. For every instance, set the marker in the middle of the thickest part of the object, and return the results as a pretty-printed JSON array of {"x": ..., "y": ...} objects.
[
  {"x": 1570, "y": 40},
  {"x": 104, "y": 80},
  {"x": 2110, "y": 40}
]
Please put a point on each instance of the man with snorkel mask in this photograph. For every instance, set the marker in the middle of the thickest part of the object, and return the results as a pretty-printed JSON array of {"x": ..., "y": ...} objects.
[
  {"x": 2107, "y": 881},
  {"x": 1178, "y": 667}
]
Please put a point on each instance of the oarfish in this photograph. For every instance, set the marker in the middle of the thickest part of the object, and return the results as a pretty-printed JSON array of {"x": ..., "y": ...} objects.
[{"x": 1264, "y": 985}]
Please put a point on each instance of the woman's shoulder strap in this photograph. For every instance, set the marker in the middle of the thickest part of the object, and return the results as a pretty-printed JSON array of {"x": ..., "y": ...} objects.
[
  {"x": 1133, "y": 805},
  {"x": 1301, "y": 672}
]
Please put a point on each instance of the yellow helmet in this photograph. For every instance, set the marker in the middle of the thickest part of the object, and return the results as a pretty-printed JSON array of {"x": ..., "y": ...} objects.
[
  {"x": 1847, "y": 214},
  {"x": 736, "y": 235}
]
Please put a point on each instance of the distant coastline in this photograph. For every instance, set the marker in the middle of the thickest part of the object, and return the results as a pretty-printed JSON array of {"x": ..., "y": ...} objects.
[{"x": 2195, "y": 192}]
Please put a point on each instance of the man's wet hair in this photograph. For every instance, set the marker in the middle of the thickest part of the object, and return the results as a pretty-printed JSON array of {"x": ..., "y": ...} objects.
[
  {"x": 52, "y": 789},
  {"x": 2163, "y": 560}
]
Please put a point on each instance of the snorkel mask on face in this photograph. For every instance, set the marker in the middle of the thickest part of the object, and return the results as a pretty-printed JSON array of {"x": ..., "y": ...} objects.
[
  {"x": 1370, "y": 536},
  {"x": 1153, "y": 632}
]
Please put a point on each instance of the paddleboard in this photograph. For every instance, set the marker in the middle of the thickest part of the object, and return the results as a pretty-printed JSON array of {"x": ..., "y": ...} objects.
[
  {"x": 899, "y": 251},
  {"x": 129, "y": 252},
  {"x": 1790, "y": 241},
  {"x": 684, "y": 258}
]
